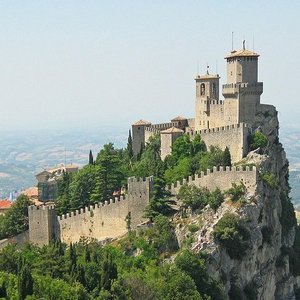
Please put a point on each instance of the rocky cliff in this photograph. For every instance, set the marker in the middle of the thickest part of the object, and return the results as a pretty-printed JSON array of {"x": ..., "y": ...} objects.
[{"x": 264, "y": 271}]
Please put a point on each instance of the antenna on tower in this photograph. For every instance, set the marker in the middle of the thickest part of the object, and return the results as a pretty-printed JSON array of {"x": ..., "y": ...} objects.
[
  {"x": 198, "y": 68},
  {"x": 216, "y": 66},
  {"x": 253, "y": 42},
  {"x": 243, "y": 44},
  {"x": 207, "y": 67},
  {"x": 232, "y": 41}
]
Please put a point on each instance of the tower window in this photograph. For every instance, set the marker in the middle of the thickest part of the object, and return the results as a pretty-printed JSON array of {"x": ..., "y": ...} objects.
[
  {"x": 214, "y": 89},
  {"x": 202, "y": 89}
]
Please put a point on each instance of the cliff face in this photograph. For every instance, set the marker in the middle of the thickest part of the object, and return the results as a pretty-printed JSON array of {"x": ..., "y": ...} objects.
[{"x": 264, "y": 271}]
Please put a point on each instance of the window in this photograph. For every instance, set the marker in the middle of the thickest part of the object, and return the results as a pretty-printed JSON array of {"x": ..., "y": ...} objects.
[
  {"x": 202, "y": 89},
  {"x": 214, "y": 89}
]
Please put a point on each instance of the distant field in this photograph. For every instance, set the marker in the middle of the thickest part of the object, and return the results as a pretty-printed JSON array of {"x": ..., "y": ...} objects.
[{"x": 22, "y": 155}]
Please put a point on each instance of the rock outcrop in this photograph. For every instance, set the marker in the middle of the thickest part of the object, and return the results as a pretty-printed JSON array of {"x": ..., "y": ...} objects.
[{"x": 264, "y": 271}]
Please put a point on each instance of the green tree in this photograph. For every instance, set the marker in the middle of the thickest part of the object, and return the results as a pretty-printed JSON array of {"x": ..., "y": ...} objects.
[
  {"x": 179, "y": 286},
  {"x": 108, "y": 271},
  {"x": 91, "y": 158},
  {"x": 110, "y": 175},
  {"x": 231, "y": 233},
  {"x": 81, "y": 187},
  {"x": 129, "y": 146},
  {"x": 150, "y": 162},
  {"x": 25, "y": 281},
  {"x": 226, "y": 157},
  {"x": 15, "y": 220},
  {"x": 160, "y": 202},
  {"x": 193, "y": 197},
  {"x": 195, "y": 266},
  {"x": 181, "y": 170},
  {"x": 258, "y": 140}
]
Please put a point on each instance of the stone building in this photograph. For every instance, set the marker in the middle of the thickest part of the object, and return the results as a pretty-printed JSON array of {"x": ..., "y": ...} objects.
[
  {"x": 47, "y": 181},
  {"x": 233, "y": 116}
]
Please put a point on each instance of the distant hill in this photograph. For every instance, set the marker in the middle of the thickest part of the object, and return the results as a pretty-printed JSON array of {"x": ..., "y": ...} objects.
[{"x": 23, "y": 154}]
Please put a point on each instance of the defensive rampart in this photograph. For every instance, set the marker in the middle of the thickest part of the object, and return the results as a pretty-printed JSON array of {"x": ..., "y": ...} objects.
[
  {"x": 110, "y": 219},
  {"x": 235, "y": 137},
  {"x": 221, "y": 178}
]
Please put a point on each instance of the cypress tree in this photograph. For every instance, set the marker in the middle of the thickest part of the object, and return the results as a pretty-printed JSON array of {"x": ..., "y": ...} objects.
[
  {"x": 91, "y": 158},
  {"x": 226, "y": 157},
  {"x": 129, "y": 145},
  {"x": 25, "y": 281}
]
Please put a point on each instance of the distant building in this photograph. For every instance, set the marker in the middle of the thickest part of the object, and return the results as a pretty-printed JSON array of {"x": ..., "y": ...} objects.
[
  {"x": 4, "y": 206},
  {"x": 47, "y": 181}
]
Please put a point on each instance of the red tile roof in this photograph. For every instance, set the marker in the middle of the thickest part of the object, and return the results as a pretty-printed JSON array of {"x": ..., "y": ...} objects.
[
  {"x": 5, "y": 204},
  {"x": 31, "y": 192}
]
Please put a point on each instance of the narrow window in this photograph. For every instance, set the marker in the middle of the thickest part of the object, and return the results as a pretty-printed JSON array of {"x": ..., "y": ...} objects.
[{"x": 202, "y": 89}]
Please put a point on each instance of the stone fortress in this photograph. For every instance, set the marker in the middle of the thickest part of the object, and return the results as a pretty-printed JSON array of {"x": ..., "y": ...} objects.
[{"x": 220, "y": 123}]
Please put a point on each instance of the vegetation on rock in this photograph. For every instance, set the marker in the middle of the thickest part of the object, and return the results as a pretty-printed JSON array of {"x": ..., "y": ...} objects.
[{"x": 233, "y": 235}]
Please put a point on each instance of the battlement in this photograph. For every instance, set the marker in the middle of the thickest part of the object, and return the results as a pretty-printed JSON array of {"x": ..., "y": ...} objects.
[
  {"x": 163, "y": 126},
  {"x": 221, "y": 178},
  {"x": 151, "y": 129},
  {"x": 139, "y": 179},
  {"x": 42, "y": 207},
  {"x": 219, "y": 129},
  {"x": 234, "y": 88},
  {"x": 91, "y": 208}
]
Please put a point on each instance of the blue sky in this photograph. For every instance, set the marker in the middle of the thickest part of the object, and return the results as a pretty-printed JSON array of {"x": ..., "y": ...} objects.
[{"x": 91, "y": 63}]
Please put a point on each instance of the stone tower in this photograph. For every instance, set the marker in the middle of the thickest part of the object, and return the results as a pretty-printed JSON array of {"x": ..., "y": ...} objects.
[
  {"x": 168, "y": 137},
  {"x": 242, "y": 91},
  {"x": 43, "y": 224},
  {"x": 207, "y": 89},
  {"x": 138, "y": 135}
]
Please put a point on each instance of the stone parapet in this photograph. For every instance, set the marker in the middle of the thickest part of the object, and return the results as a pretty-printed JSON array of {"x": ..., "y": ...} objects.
[{"x": 221, "y": 178}]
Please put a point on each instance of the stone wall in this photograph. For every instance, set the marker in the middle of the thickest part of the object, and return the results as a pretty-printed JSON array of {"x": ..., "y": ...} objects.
[
  {"x": 235, "y": 137},
  {"x": 100, "y": 221},
  {"x": 150, "y": 131},
  {"x": 220, "y": 178}
]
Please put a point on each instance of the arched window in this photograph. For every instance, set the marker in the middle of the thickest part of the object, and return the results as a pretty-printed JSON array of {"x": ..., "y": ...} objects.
[{"x": 202, "y": 89}]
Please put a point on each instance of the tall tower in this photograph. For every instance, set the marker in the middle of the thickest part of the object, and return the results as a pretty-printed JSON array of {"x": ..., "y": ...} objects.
[
  {"x": 207, "y": 89},
  {"x": 138, "y": 135},
  {"x": 242, "y": 91}
]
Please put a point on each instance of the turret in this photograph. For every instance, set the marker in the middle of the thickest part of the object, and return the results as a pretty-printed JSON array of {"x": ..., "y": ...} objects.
[
  {"x": 138, "y": 135},
  {"x": 242, "y": 90},
  {"x": 207, "y": 89}
]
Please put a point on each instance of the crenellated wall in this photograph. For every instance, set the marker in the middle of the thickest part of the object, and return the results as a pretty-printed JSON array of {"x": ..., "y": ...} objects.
[
  {"x": 99, "y": 221},
  {"x": 221, "y": 178},
  {"x": 150, "y": 131},
  {"x": 235, "y": 137}
]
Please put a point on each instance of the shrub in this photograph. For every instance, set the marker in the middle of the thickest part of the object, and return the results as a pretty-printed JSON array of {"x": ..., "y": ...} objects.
[
  {"x": 237, "y": 191},
  {"x": 193, "y": 228},
  {"x": 258, "y": 140},
  {"x": 193, "y": 197},
  {"x": 288, "y": 219},
  {"x": 269, "y": 179},
  {"x": 198, "y": 197},
  {"x": 232, "y": 234}
]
